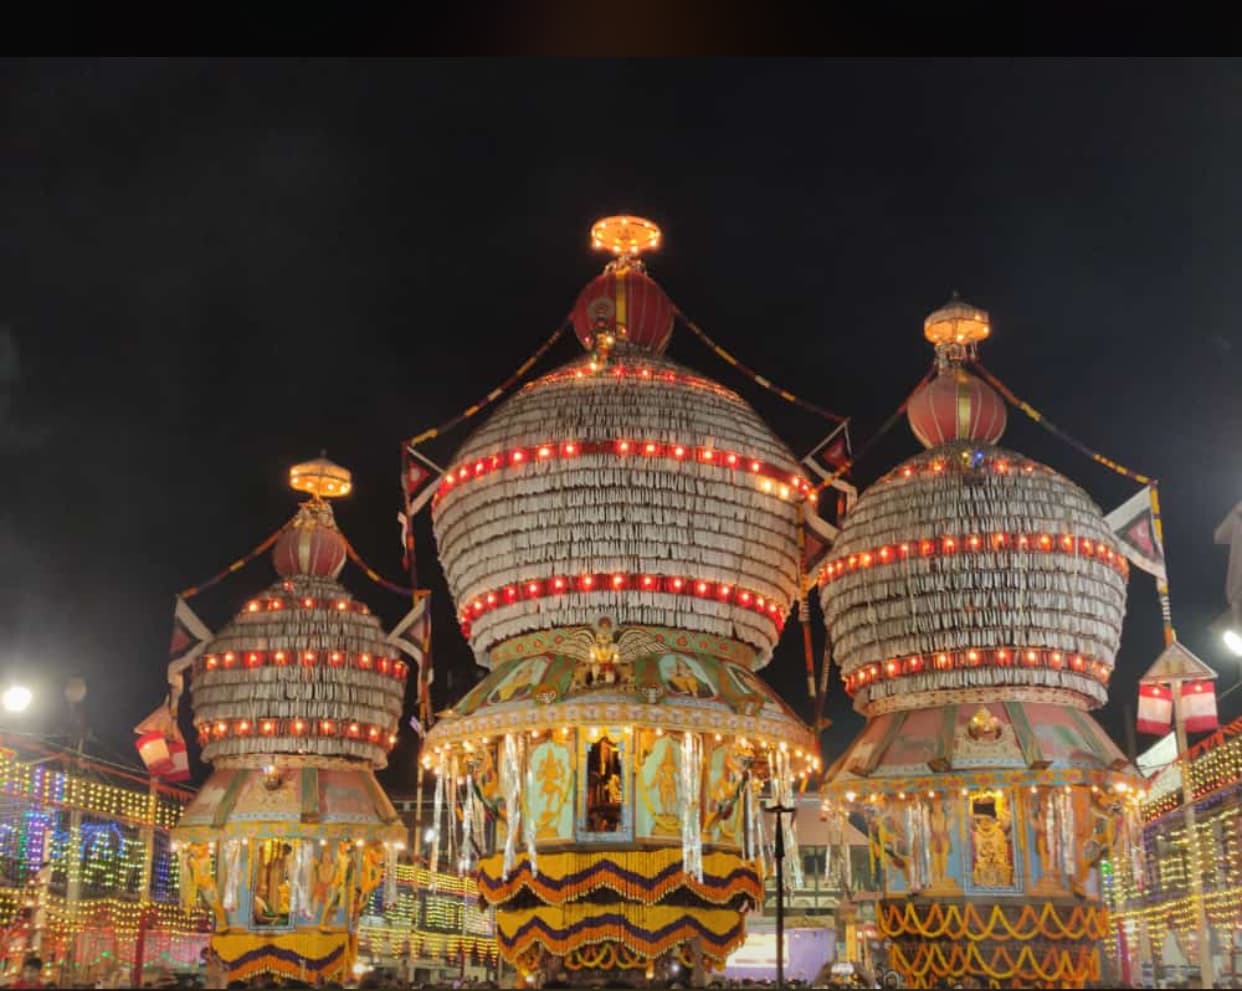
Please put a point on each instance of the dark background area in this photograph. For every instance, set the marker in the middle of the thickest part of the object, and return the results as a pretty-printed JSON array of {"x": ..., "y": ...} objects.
[{"x": 210, "y": 270}]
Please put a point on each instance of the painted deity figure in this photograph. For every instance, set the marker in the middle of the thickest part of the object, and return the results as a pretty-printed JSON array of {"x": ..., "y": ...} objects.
[
  {"x": 666, "y": 782},
  {"x": 605, "y": 657},
  {"x": 338, "y": 888},
  {"x": 554, "y": 789},
  {"x": 940, "y": 841},
  {"x": 202, "y": 881},
  {"x": 369, "y": 877},
  {"x": 682, "y": 680}
]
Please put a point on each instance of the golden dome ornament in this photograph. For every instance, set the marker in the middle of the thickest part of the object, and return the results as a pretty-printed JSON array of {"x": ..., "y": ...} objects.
[{"x": 321, "y": 478}]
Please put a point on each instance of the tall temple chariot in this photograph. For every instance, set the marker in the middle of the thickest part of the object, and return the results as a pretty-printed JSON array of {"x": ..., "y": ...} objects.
[
  {"x": 974, "y": 602},
  {"x": 620, "y": 540},
  {"x": 296, "y": 703}
]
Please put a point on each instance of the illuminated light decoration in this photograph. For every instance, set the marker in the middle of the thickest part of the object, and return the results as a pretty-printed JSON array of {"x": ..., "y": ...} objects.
[
  {"x": 625, "y": 581},
  {"x": 772, "y": 479},
  {"x": 899, "y": 667},
  {"x": 309, "y": 658},
  {"x": 643, "y": 374},
  {"x": 1069, "y": 546}
]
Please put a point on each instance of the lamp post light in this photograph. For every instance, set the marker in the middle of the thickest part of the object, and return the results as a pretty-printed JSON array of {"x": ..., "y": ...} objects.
[
  {"x": 16, "y": 699},
  {"x": 778, "y": 852}
]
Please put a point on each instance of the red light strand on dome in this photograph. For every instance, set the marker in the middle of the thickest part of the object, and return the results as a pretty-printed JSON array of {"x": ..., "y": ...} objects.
[
  {"x": 249, "y": 660},
  {"x": 518, "y": 374},
  {"x": 975, "y": 543},
  {"x": 638, "y": 373},
  {"x": 539, "y": 588},
  {"x": 935, "y": 662},
  {"x": 263, "y": 727},
  {"x": 770, "y": 478}
]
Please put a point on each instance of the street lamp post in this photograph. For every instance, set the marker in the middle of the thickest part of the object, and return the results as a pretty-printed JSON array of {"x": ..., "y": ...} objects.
[{"x": 778, "y": 850}]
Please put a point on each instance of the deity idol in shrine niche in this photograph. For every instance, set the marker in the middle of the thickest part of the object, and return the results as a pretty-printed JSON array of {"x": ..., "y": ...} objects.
[
  {"x": 991, "y": 842},
  {"x": 271, "y": 890}
]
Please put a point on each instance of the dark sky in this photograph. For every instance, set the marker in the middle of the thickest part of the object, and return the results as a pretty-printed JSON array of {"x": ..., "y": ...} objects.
[{"x": 211, "y": 270}]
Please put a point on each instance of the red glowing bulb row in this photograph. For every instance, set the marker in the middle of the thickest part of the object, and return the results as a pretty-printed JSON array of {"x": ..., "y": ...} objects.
[
  {"x": 770, "y": 478},
  {"x": 996, "y": 465},
  {"x": 251, "y": 659},
  {"x": 623, "y": 582},
  {"x": 1045, "y": 543},
  {"x": 306, "y": 602},
  {"x": 957, "y": 660},
  {"x": 346, "y": 729},
  {"x": 663, "y": 376}
]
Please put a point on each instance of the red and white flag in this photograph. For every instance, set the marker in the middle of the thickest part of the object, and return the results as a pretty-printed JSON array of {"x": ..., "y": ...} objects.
[
  {"x": 1155, "y": 709},
  {"x": 1134, "y": 524},
  {"x": 1199, "y": 706},
  {"x": 419, "y": 479},
  {"x": 831, "y": 453},
  {"x": 412, "y": 636}
]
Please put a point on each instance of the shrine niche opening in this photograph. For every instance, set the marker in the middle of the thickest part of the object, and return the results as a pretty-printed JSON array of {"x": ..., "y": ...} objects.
[{"x": 605, "y": 792}]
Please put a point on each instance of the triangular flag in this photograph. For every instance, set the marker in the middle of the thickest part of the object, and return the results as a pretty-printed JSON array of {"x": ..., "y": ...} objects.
[
  {"x": 420, "y": 477},
  {"x": 1134, "y": 525},
  {"x": 189, "y": 635},
  {"x": 412, "y": 636},
  {"x": 160, "y": 721},
  {"x": 814, "y": 551},
  {"x": 831, "y": 453},
  {"x": 819, "y": 537}
]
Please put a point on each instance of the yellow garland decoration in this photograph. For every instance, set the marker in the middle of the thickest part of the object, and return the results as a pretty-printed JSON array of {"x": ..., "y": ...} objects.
[
  {"x": 605, "y": 869},
  {"x": 674, "y": 923},
  {"x": 933, "y": 962},
  {"x": 248, "y": 955},
  {"x": 952, "y": 921}
]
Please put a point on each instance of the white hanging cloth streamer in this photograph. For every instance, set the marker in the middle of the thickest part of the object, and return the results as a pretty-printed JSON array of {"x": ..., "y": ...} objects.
[
  {"x": 231, "y": 869},
  {"x": 785, "y": 789},
  {"x": 528, "y": 820},
  {"x": 510, "y": 785},
  {"x": 437, "y": 812},
  {"x": 467, "y": 824},
  {"x": 390, "y": 875},
  {"x": 300, "y": 879},
  {"x": 451, "y": 826},
  {"x": 691, "y": 801},
  {"x": 1065, "y": 815}
]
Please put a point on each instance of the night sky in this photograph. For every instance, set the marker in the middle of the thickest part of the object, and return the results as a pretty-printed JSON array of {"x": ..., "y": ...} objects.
[{"x": 212, "y": 270}]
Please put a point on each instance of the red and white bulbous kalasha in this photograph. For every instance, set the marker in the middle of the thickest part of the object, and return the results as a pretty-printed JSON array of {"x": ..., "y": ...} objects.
[
  {"x": 628, "y": 304},
  {"x": 954, "y": 406},
  {"x": 312, "y": 546}
]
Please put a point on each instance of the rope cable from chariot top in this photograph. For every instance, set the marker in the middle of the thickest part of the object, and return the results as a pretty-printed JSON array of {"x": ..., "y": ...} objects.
[
  {"x": 1056, "y": 431},
  {"x": 518, "y": 374},
  {"x": 755, "y": 377},
  {"x": 884, "y": 428},
  {"x": 241, "y": 562}
]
